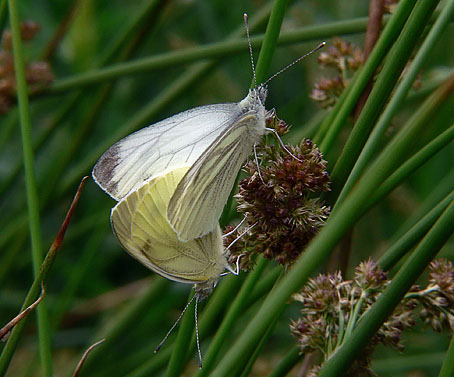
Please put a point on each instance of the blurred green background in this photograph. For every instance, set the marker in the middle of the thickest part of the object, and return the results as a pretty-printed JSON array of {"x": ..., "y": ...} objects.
[{"x": 93, "y": 281}]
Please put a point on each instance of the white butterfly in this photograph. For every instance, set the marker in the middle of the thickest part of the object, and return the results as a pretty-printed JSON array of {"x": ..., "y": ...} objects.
[
  {"x": 214, "y": 141},
  {"x": 139, "y": 222}
]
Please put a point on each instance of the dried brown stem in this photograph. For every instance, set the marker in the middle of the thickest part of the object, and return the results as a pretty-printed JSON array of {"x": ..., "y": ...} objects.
[
  {"x": 5, "y": 330},
  {"x": 374, "y": 26},
  {"x": 59, "y": 34},
  {"x": 84, "y": 356}
]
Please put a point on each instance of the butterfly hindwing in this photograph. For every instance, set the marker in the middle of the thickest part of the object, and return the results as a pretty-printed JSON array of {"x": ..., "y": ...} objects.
[{"x": 140, "y": 224}]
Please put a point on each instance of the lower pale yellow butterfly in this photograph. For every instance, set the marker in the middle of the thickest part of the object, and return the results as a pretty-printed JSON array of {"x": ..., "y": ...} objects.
[{"x": 140, "y": 223}]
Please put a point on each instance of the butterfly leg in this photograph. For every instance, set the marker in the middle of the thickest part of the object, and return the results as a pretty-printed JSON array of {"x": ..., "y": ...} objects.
[
  {"x": 282, "y": 143},
  {"x": 236, "y": 228},
  {"x": 258, "y": 164}
]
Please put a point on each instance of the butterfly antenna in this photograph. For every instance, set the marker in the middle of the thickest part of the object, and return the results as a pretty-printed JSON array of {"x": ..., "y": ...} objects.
[
  {"x": 250, "y": 47},
  {"x": 258, "y": 165},
  {"x": 197, "y": 330},
  {"x": 296, "y": 61},
  {"x": 174, "y": 325},
  {"x": 236, "y": 228}
]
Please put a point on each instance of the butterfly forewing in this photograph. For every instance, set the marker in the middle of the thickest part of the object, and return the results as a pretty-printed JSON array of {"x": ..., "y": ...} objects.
[
  {"x": 173, "y": 143},
  {"x": 200, "y": 197},
  {"x": 150, "y": 239}
]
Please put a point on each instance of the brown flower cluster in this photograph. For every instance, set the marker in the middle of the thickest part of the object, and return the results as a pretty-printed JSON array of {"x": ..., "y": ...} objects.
[
  {"x": 438, "y": 297},
  {"x": 331, "y": 308},
  {"x": 37, "y": 73},
  {"x": 345, "y": 58},
  {"x": 280, "y": 202}
]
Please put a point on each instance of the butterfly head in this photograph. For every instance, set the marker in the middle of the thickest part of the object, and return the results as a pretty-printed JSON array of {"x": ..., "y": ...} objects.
[
  {"x": 255, "y": 98},
  {"x": 260, "y": 92}
]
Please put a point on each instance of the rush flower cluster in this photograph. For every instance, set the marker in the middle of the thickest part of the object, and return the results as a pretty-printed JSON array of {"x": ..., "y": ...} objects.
[
  {"x": 332, "y": 307},
  {"x": 280, "y": 202},
  {"x": 38, "y": 73},
  {"x": 345, "y": 58}
]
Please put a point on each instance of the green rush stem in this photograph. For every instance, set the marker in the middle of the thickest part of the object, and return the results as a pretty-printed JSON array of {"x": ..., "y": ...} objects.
[
  {"x": 181, "y": 345},
  {"x": 30, "y": 183},
  {"x": 393, "y": 294},
  {"x": 412, "y": 164},
  {"x": 210, "y": 51},
  {"x": 382, "y": 47},
  {"x": 315, "y": 254},
  {"x": 396, "y": 60},
  {"x": 8, "y": 350},
  {"x": 234, "y": 311},
  {"x": 401, "y": 247},
  {"x": 395, "y": 103},
  {"x": 3, "y": 14},
  {"x": 271, "y": 36},
  {"x": 63, "y": 110},
  {"x": 193, "y": 76},
  {"x": 287, "y": 363},
  {"x": 402, "y": 143},
  {"x": 245, "y": 372},
  {"x": 329, "y": 118}
]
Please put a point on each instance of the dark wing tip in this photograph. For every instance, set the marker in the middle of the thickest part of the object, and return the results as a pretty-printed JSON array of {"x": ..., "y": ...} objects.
[{"x": 103, "y": 171}]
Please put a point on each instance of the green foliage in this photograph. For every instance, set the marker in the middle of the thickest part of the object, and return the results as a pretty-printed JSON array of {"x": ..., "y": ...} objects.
[{"x": 120, "y": 66}]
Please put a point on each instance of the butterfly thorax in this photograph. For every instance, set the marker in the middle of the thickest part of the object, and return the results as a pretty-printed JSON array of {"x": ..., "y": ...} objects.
[{"x": 253, "y": 112}]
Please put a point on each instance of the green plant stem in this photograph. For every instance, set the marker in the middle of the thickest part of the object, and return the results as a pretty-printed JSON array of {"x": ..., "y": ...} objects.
[
  {"x": 409, "y": 239},
  {"x": 125, "y": 321},
  {"x": 393, "y": 294},
  {"x": 234, "y": 311},
  {"x": 193, "y": 76},
  {"x": 3, "y": 13},
  {"x": 208, "y": 319},
  {"x": 443, "y": 188},
  {"x": 154, "y": 364},
  {"x": 8, "y": 126},
  {"x": 245, "y": 371},
  {"x": 39, "y": 280},
  {"x": 61, "y": 113},
  {"x": 266, "y": 283},
  {"x": 85, "y": 125},
  {"x": 402, "y": 144},
  {"x": 216, "y": 50},
  {"x": 397, "y": 99},
  {"x": 412, "y": 164},
  {"x": 447, "y": 369},
  {"x": 76, "y": 276},
  {"x": 382, "y": 47},
  {"x": 388, "y": 77},
  {"x": 290, "y": 359},
  {"x": 30, "y": 183},
  {"x": 141, "y": 18},
  {"x": 316, "y": 253},
  {"x": 329, "y": 119},
  {"x": 182, "y": 342},
  {"x": 269, "y": 44},
  {"x": 403, "y": 364}
]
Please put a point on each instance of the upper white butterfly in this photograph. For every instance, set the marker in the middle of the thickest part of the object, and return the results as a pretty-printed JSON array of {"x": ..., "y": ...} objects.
[{"x": 214, "y": 140}]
